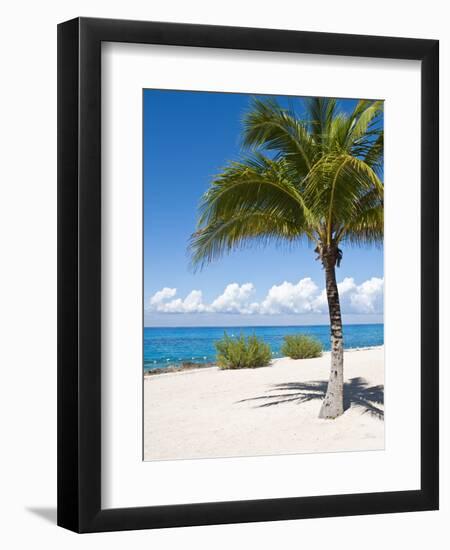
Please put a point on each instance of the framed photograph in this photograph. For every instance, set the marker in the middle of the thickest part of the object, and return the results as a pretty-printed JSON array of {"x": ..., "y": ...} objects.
[{"x": 248, "y": 275}]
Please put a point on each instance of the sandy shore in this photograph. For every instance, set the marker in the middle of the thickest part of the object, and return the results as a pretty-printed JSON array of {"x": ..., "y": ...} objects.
[{"x": 271, "y": 410}]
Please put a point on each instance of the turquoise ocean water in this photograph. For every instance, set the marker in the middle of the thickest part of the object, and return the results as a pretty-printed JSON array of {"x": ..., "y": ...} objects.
[{"x": 173, "y": 346}]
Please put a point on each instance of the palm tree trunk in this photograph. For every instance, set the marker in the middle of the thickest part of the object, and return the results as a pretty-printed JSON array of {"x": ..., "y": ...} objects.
[{"x": 333, "y": 404}]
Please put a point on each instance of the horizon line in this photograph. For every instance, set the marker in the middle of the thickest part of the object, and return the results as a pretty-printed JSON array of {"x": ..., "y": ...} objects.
[{"x": 257, "y": 326}]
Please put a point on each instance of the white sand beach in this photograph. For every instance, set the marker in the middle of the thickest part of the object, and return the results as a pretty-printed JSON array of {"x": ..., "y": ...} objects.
[{"x": 208, "y": 413}]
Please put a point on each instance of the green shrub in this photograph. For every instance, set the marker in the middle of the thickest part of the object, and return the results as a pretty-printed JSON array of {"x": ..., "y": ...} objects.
[
  {"x": 242, "y": 352},
  {"x": 300, "y": 346}
]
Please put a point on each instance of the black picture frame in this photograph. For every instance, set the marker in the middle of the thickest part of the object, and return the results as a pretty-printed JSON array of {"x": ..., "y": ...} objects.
[{"x": 79, "y": 274}]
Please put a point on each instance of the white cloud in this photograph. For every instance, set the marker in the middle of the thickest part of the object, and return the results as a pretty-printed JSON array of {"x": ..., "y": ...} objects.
[
  {"x": 193, "y": 303},
  {"x": 234, "y": 299},
  {"x": 368, "y": 297},
  {"x": 364, "y": 298},
  {"x": 285, "y": 298},
  {"x": 290, "y": 298},
  {"x": 162, "y": 295}
]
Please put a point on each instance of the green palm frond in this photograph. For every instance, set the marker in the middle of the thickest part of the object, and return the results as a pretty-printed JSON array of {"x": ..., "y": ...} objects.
[
  {"x": 365, "y": 120},
  {"x": 242, "y": 229},
  {"x": 365, "y": 127},
  {"x": 375, "y": 153},
  {"x": 257, "y": 182},
  {"x": 334, "y": 188},
  {"x": 270, "y": 127},
  {"x": 338, "y": 132},
  {"x": 321, "y": 112},
  {"x": 366, "y": 228}
]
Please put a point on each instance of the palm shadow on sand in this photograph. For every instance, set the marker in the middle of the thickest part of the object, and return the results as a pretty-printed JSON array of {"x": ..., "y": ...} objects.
[{"x": 357, "y": 393}]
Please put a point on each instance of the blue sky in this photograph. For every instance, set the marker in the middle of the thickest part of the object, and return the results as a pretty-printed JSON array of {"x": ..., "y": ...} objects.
[{"x": 189, "y": 137}]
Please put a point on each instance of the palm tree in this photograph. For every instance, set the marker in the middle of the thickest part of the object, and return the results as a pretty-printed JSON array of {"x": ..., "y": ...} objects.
[{"x": 315, "y": 178}]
